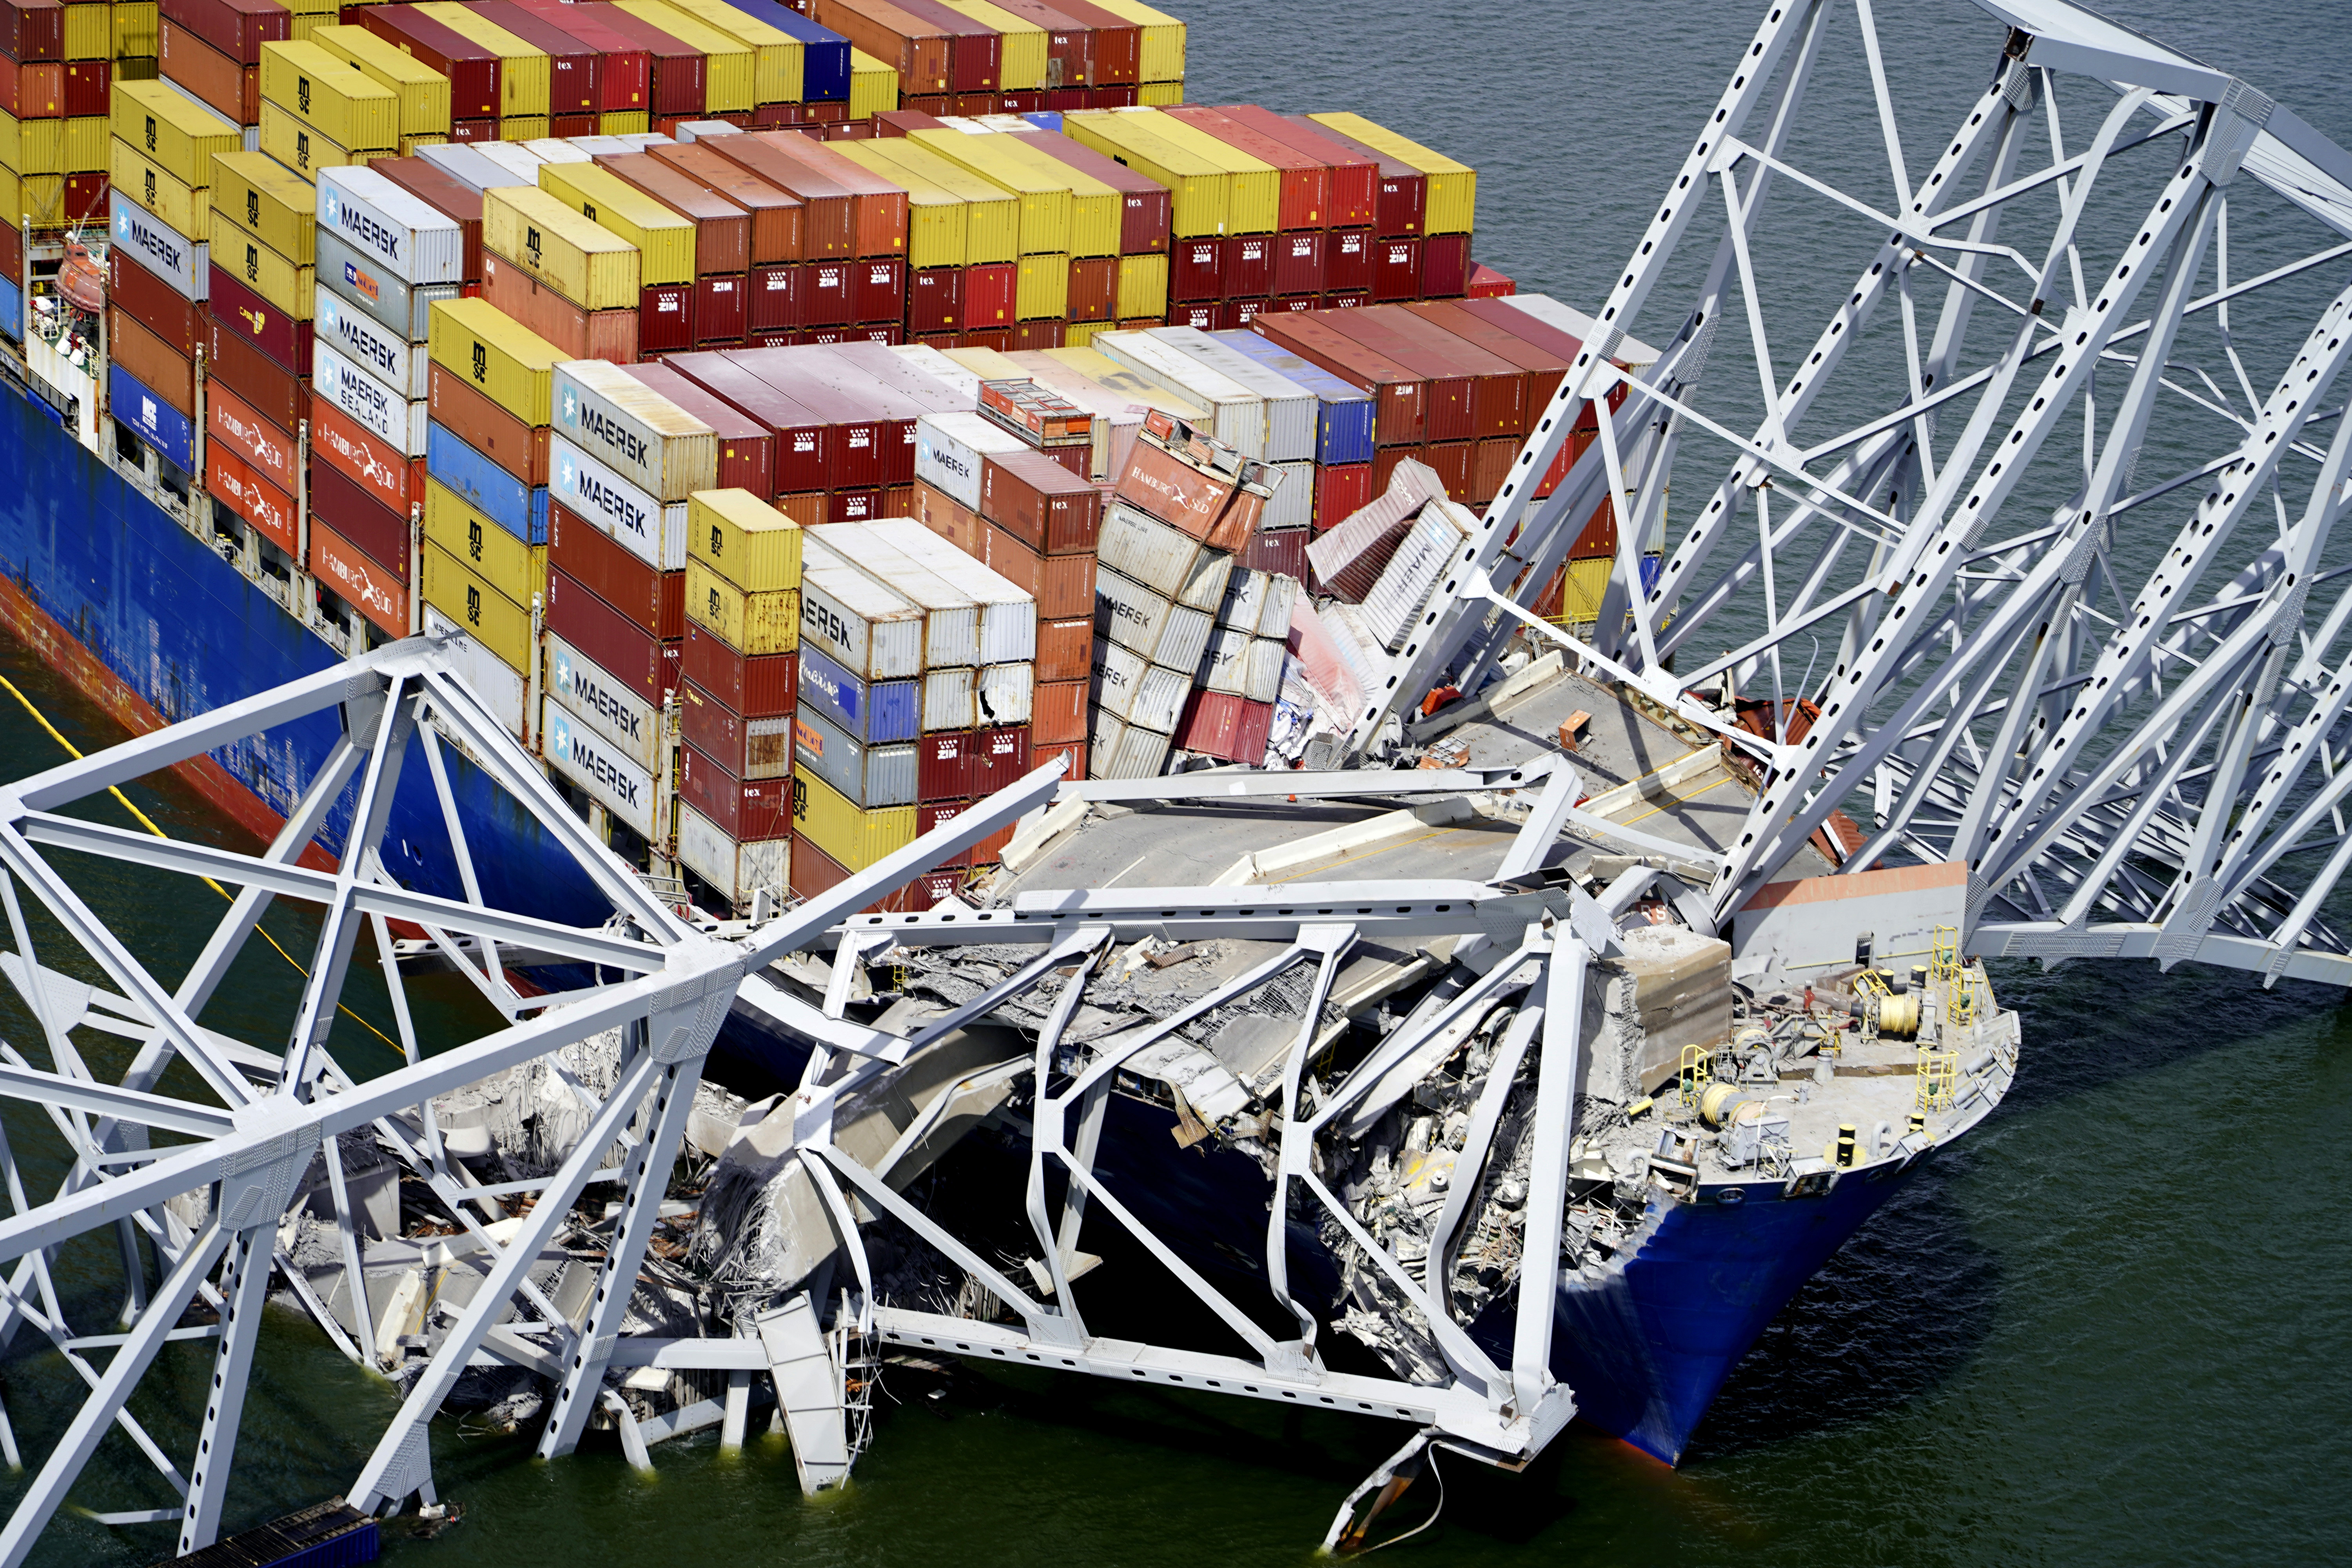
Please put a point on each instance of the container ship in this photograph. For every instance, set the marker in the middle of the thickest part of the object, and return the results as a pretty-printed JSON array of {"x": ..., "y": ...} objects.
[{"x": 802, "y": 423}]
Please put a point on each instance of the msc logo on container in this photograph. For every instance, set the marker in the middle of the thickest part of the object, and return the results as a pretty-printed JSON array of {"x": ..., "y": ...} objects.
[
  {"x": 474, "y": 537},
  {"x": 147, "y": 181},
  {"x": 481, "y": 362},
  {"x": 531, "y": 246},
  {"x": 252, "y": 262},
  {"x": 253, "y": 209},
  {"x": 151, "y": 141},
  {"x": 303, "y": 94},
  {"x": 473, "y": 606},
  {"x": 302, "y": 150}
]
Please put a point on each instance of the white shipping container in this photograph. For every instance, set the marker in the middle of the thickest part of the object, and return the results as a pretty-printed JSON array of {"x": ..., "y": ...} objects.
[
  {"x": 1161, "y": 630},
  {"x": 414, "y": 241},
  {"x": 390, "y": 358},
  {"x": 1158, "y": 699},
  {"x": 640, "y": 435},
  {"x": 382, "y": 409},
  {"x": 949, "y": 699},
  {"x": 1291, "y": 410},
  {"x": 1103, "y": 731},
  {"x": 1292, "y": 504},
  {"x": 866, "y": 627},
  {"x": 1245, "y": 600},
  {"x": 1348, "y": 632},
  {"x": 1117, "y": 675},
  {"x": 602, "y": 769},
  {"x": 737, "y": 870},
  {"x": 1008, "y": 613},
  {"x": 497, "y": 683},
  {"x": 603, "y": 703},
  {"x": 1136, "y": 754},
  {"x": 1221, "y": 665},
  {"x": 514, "y": 158},
  {"x": 1262, "y": 669},
  {"x": 1395, "y": 603},
  {"x": 1274, "y": 618},
  {"x": 871, "y": 777},
  {"x": 184, "y": 263},
  {"x": 950, "y": 617},
  {"x": 463, "y": 162},
  {"x": 1237, "y": 415},
  {"x": 942, "y": 369},
  {"x": 554, "y": 150},
  {"x": 403, "y": 309},
  {"x": 947, "y": 450},
  {"x": 1165, "y": 559},
  {"x": 648, "y": 530},
  {"x": 1007, "y": 694}
]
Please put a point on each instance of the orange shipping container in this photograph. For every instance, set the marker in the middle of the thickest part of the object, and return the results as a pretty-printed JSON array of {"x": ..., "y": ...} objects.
[
  {"x": 347, "y": 572},
  {"x": 364, "y": 457},
  {"x": 265, "y": 449},
  {"x": 582, "y": 335},
  {"x": 230, "y": 479}
]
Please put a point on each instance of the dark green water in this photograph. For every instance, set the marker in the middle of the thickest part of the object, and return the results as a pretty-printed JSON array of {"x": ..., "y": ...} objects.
[{"x": 2109, "y": 1327}]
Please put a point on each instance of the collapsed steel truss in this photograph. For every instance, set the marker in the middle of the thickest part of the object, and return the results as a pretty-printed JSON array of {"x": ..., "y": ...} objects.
[{"x": 2124, "y": 712}]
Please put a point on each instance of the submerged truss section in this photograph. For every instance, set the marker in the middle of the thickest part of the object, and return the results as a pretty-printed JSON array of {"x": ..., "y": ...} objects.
[{"x": 2024, "y": 553}]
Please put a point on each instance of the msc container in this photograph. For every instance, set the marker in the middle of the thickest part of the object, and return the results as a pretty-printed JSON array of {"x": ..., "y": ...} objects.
[
  {"x": 237, "y": 29},
  {"x": 243, "y": 255},
  {"x": 877, "y": 712},
  {"x": 377, "y": 407},
  {"x": 266, "y": 199},
  {"x": 653, "y": 531},
  {"x": 663, "y": 240},
  {"x": 474, "y": 71},
  {"x": 142, "y": 180},
  {"x": 1393, "y": 606},
  {"x": 162, "y": 250},
  {"x": 751, "y": 622},
  {"x": 744, "y": 539},
  {"x": 756, "y": 687},
  {"x": 348, "y": 105},
  {"x": 512, "y": 565},
  {"x": 653, "y": 601},
  {"x": 423, "y": 92},
  {"x": 404, "y": 367},
  {"x": 722, "y": 227},
  {"x": 180, "y": 135},
  {"x": 778, "y": 220},
  {"x": 867, "y": 777},
  {"x": 591, "y": 266},
  {"x": 489, "y": 618},
  {"x": 643, "y": 436},
  {"x": 738, "y": 871},
  {"x": 1150, "y": 624},
  {"x": 918, "y": 50},
  {"x": 949, "y": 449},
  {"x": 407, "y": 237},
  {"x": 871, "y": 630},
  {"x": 301, "y": 146},
  {"x": 478, "y": 346},
  {"x": 604, "y": 703},
  {"x": 836, "y": 827},
  {"x": 747, "y": 748}
]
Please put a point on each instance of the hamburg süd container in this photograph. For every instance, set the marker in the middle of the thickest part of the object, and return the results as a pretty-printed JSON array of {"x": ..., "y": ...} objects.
[
  {"x": 640, "y": 435},
  {"x": 379, "y": 408},
  {"x": 875, "y": 712},
  {"x": 407, "y": 237}
]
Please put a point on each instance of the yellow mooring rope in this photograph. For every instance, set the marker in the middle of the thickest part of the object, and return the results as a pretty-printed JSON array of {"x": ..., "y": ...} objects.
[{"x": 149, "y": 824}]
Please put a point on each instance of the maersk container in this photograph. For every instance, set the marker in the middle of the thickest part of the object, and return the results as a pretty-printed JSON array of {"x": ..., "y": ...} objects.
[
  {"x": 867, "y": 777},
  {"x": 739, "y": 872},
  {"x": 1261, "y": 671},
  {"x": 1163, "y": 559},
  {"x": 599, "y": 767},
  {"x": 1006, "y": 695},
  {"x": 161, "y": 250},
  {"x": 1133, "y": 689},
  {"x": 1236, "y": 413},
  {"x": 604, "y": 703},
  {"x": 519, "y": 508},
  {"x": 405, "y": 366},
  {"x": 379, "y": 408},
  {"x": 877, "y": 712},
  {"x": 1291, "y": 409},
  {"x": 653, "y": 531},
  {"x": 948, "y": 702},
  {"x": 1281, "y": 597},
  {"x": 1221, "y": 666},
  {"x": 1131, "y": 753},
  {"x": 1393, "y": 606},
  {"x": 868, "y": 628},
  {"x": 1245, "y": 600},
  {"x": 1008, "y": 613},
  {"x": 1151, "y": 624},
  {"x": 409, "y": 238},
  {"x": 640, "y": 435},
  {"x": 948, "y": 452},
  {"x": 950, "y": 617}
]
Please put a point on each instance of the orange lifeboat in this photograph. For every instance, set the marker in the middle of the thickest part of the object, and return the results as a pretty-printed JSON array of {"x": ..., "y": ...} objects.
[{"x": 81, "y": 279}]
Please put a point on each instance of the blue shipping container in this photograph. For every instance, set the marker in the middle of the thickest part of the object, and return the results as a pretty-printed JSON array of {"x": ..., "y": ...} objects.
[
  {"x": 11, "y": 310},
  {"x": 490, "y": 490},
  {"x": 159, "y": 424},
  {"x": 1045, "y": 120},
  {"x": 880, "y": 714},
  {"x": 824, "y": 54},
  {"x": 1345, "y": 418}
]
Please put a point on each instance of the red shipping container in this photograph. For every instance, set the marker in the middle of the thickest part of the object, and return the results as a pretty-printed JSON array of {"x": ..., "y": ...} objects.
[
  {"x": 830, "y": 301},
  {"x": 347, "y": 572},
  {"x": 763, "y": 686},
  {"x": 935, "y": 299},
  {"x": 744, "y": 809},
  {"x": 1075, "y": 751},
  {"x": 1066, "y": 648},
  {"x": 86, "y": 87},
  {"x": 625, "y": 650},
  {"x": 1296, "y": 303},
  {"x": 473, "y": 131},
  {"x": 33, "y": 89},
  {"x": 803, "y": 439},
  {"x": 1349, "y": 302},
  {"x": 879, "y": 289},
  {"x": 1486, "y": 283},
  {"x": 747, "y": 748},
  {"x": 232, "y": 480},
  {"x": 855, "y": 459},
  {"x": 625, "y": 66},
  {"x": 1398, "y": 391},
  {"x": 1058, "y": 711},
  {"x": 474, "y": 71},
  {"x": 1205, "y": 317},
  {"x": 85, "y": 198},
  {"x": 1094, "y": 287},
  {"x": 951, "y": 520},
  {"x": 998, "y": 338},
  {"x": 573, "y": 63},
  {"x": 34, "y": 30},
  {"x": 1236, "y": 315},
  {"x": 1000, "y": 757},
  {"x": 237, "y": 29},
  {"x": 1282, "y": 550},
  {"x": 989, "y": 293},
  {"x": 920, "y": 50},
  {"x": 1027, "y": 335},
  {"x": 747, "y": 449},
  {"x": 1305, "y": 202},
  {"x": 654, "y": 602},
  {"x": 1146, "y": 210},
  {"x": 153, "y": 303},
  {"x": 779, "y": 220},
  {"x": 1347, "y": 262},
  {"x": 678, "y": 72},
  {"x": 721, "y": 311},
  {"x": 266, "y": 387},
  {"x": 1498, "y": 389},
  {"x": 1403, "y": 191},
  {"x": 1396, "y": 269},
  {"x": 944, "y": 765},
  {"x": 496, "y": 433},
  {"x": 935, "y": 814},
  {"x": 1491, "y": 467},
  {"x": 854, "y": 506},
  {"x": 1248, "y": 269},
  {"x": 230, "y": 90},
  {"x": 1219, "y": 724},
  {"x": 1299, "y": 265},
  {"x": 1063, "y": 585},
  {"x": 377, "y": 530},
  {"x": 340, "y": 442},
  {"x": 1341, "y": 490},
  {"x": 1040, "y": 503},
  {"x": 285, "y": 339},
  {"x": 1445, "y": 265},
  {"x": 827, "y": 224},
  {"x": 1196, "y": 270},
  {"x": 975, "y": 49},
  {"x": 1115, "y": 52},
  {"x": 571, "y": 125},
  {"x": 445, "y": 194},
  {"x": 778, "y": 299},
  {"x": 814, "y": 873},
  {"x": 1354, "y": 187},
  {"x": 266, "y": 450},
  {"x": 665, "y": 319},
  {"x": 583, "y": 334},
  {"x": 1069, "y": 44}
]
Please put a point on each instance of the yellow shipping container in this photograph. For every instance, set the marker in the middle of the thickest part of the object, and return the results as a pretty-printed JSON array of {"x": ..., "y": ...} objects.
[
  {"x": 777, "y": 57},
  {"x": 12, "y": 192},
  {"x": 1044, "y": 196},
  {"x": 1096, "y": 208},
  {"x": 766, "y": 621},
  {"x": 33, "y": 146},
  {"x": 1160, "y": 94},
  {"x": 589, "y": 265},
  {"x": 730, "y": 75},
  {"x": 1143, "y": 286},
  {"x": 43, "y": 198},
  {"x": 1588, "y": 581},
  {"x": 88, "y": 33},
  {"x": 518, "y": 571},
  {"x": 872, "y": 86},
  {"x": 246, "y": 256},
  {"x": 264, "y": 197},
  {"x": 173, "y": 130},
  {"x": 850, "y": 838},
  {"x": 748, "y": 543},
  {"x": 409, "y": 144},
  {"x": 1453, "y": 202},
  {"x": 327, "y": 93},
  {"x": 1199, "y": 190},
  {"x": 988, "y": 364},
  {"x": 935, "y": 216},
  {"x": 303, "y": 147},
  {"x": 1023, "y": 57},
  {"x": 423, "y": 92},
  {"x": 523, "y": 128},
  {"x": 991, "y": 223},
  {"x": 1254, "y": 204},
  {"x": 1163, "y": 39},
  {"x": 137, "y": 28},
  {"x": 158, "y": 190},
  {"x": 664, "y": 241},
  {"x": 523, "y": 72},
  {"x": 497, "y": 622},
  {"x": 1043, "y": 291},
  {"x": 625, "y": 123},
  {"x": 477, "y": 342},
  {"x": 304, "y": 29},
  {"x": 86, "y": 138},
  {"x": 1080, "y": 335}
]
